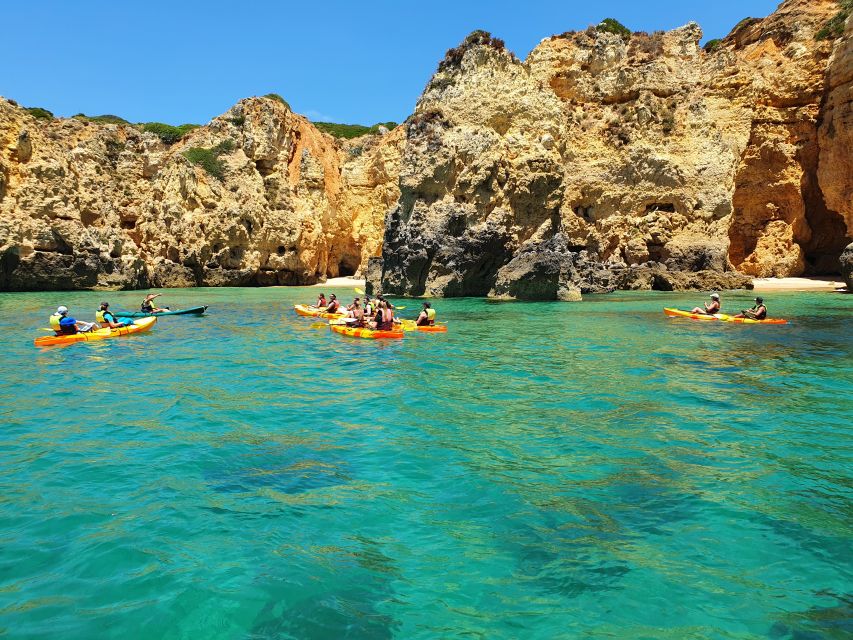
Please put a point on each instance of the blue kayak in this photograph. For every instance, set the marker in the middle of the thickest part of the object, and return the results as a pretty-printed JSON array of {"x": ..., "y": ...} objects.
[{"x": 193, "y": 311}]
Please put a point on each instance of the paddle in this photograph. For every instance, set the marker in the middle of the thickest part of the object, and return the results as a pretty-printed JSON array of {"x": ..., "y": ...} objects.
[{"x": 359, "y": 291}]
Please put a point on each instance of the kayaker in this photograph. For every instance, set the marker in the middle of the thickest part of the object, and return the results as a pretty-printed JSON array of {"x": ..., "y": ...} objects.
[
  {"x": 147, "y": 305},
  {"x": 334, "y": 305},
  {"x": 106, "y": 318},
  {"x": 384, "y": 319},
  {"x": 65, "y": 325},
  {"x": 355, "y": 302},
  {"x": 321, "y": 301},
  {"x": 710, "y": 309},
  {"x": 368, "y": 306},
  {"x": 355, "y": 312},
  {"x": 757, "y": 312},
  {"x": 426, "y": 318}
]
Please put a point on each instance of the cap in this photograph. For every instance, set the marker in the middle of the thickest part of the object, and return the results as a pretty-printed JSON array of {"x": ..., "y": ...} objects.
[
  {"x": 62, "y": 310},
  {"x": 716, "y": 296},
  {"x": 759, "y": 299},
  {"x": 105, "y": 304}
]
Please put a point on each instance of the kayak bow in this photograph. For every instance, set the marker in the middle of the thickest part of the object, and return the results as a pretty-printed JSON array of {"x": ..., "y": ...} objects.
[{"x": 364, "y": 333}]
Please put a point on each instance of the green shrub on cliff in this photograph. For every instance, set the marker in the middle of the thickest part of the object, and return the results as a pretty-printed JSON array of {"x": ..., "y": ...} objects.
[
  {"x": 349, "y": 131},
  {"x": 208, "y": 159},
  {"x": 168, "y": 133},
  {"x": 611, "y": 25},
  {"x": 453, "y": 57},
  {"x": 104, "y": 119},
  {"x": 275, "y": 96},
  {"x": 834, "y": 28},
  {"x": 712, "y": 45},
  {"x": 39, "y": 114}
]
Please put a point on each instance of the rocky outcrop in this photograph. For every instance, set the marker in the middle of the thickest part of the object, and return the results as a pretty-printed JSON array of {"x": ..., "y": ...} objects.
[
  {"x": 846, "y": 261},
  {"x": 660, "y": 164},
  {"x": 269, "y": 200}
]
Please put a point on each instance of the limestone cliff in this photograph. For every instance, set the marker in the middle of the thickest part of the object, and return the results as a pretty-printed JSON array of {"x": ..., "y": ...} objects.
[
  {"x": 604, "y": 161},
  {"x": 269, "y": 200}
]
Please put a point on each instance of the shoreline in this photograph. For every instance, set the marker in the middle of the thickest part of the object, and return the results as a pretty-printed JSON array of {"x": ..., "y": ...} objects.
[
  {"x": 342, "y": 282},
  {"x": 815, "y": 283}
]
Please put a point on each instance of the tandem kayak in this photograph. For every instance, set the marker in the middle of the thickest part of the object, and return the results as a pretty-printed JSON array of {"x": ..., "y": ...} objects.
[
  {"x": 192, "y": 311},
  {"x": 307, "y": 311},
  {"x": 365, "y": 333},
  {"x": 138, "y": 326},
  {"x": 721, "y": 317}
]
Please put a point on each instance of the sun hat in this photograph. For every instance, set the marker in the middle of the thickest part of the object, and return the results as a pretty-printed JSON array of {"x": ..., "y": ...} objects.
[
  {"x": 715, "y": 296},
  {"x": 62, "y": 310}
]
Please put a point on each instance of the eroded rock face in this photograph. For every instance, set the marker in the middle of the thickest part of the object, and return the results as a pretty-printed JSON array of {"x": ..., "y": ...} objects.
[
  {"x": 846, "y": 261},
  {"x": 664, "y": 165},
  {"x": 86, "y": 205}
]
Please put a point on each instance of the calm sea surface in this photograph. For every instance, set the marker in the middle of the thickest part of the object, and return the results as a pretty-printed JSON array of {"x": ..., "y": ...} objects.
[{"x": 543, "y": 470}]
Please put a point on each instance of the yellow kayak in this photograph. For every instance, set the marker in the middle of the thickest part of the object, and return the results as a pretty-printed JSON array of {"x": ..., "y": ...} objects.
[
  {"x": 307, "y": 311},
  {"x": 138, "y": 326},
  {"x": 722, "y": 317}
]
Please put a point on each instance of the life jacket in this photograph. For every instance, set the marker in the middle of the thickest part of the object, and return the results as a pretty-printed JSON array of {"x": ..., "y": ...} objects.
[
  {"x": 54, "y": 323},
  {"x": 758, "y": 315},
  {"x": 67, "y": 326},
  {"x": 333, "y": 307},
  {"x": 430, "y": 315},
  {"x": 147, "y": 307},
  {"x": 105, "y": 317}
]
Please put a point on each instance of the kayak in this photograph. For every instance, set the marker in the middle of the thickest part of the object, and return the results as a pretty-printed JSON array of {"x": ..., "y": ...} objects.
[
  {"x": 313, "y": 312},
  {"x": 138, "y": 326},
  {"x": 365, "y": 333},
  {"x": 192, "y": 311},
  {"x": 722, "y": 317}
]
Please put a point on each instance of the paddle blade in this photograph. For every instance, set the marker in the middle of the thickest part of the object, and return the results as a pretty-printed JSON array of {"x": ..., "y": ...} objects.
[
  {"x": 359, "y": 291},
  {"x": 319, "y": 325}
]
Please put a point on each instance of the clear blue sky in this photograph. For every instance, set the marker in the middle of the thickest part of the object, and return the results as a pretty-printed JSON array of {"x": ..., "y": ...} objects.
[{"x": 345, "y": 61}]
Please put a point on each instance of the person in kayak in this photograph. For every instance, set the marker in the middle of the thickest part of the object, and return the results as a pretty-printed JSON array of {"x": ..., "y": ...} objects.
[
  {"x": 106, "y": 318},
  {"x": 321, "y": 301},
  {"x": 334, "y": 305},
  {"x": 757, "y": 312},
  {"x": 356, "y": 313},
  {"x": 384, "y": 319},
  {"x": 426, "y": 318},
  {"x": 368, "y": 306},
  {"x": 710, "y": 309},
  {"x": 64, "y": 325},
  {"x": 147, "y": 305}
]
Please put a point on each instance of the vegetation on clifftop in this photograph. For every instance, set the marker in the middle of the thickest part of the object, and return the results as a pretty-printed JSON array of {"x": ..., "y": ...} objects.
[
  {"x": 104, "y": 119},
  {"x": 611, "y": 25},
  {"x": 168, "y": 133},
  {"x": 38, "y": 113},
  {"x": 453, "y": 57},
  {"x": 712, "y": 45},
  {"x": 349, "y": 131},
  {"x": 834, "y": 28},
  {"x": 278, "y": 98}
]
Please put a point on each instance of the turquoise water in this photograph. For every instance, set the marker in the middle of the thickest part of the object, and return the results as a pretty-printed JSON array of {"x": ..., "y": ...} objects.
[{"x": 543, "y": 470}]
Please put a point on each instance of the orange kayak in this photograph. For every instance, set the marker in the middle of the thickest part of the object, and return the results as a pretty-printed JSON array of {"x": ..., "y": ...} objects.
[
  {"x": 722, "y": 317},
  {"x": 365, "y": 333},
  {"x": 138, "y": 326},
  {"x": 307, "y": 311}
]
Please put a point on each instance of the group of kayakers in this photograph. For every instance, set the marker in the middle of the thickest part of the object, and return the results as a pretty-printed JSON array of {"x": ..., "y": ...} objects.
[
  {"x": 63, "y": 323},
  {"x": 757, "y": 312},
  {"x": 377, "y": 313}
]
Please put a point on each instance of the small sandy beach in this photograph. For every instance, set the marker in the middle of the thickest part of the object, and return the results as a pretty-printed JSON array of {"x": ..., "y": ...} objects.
[
  {"x": 818, "y": 283},
  {"x": 341, "y": 282}
]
